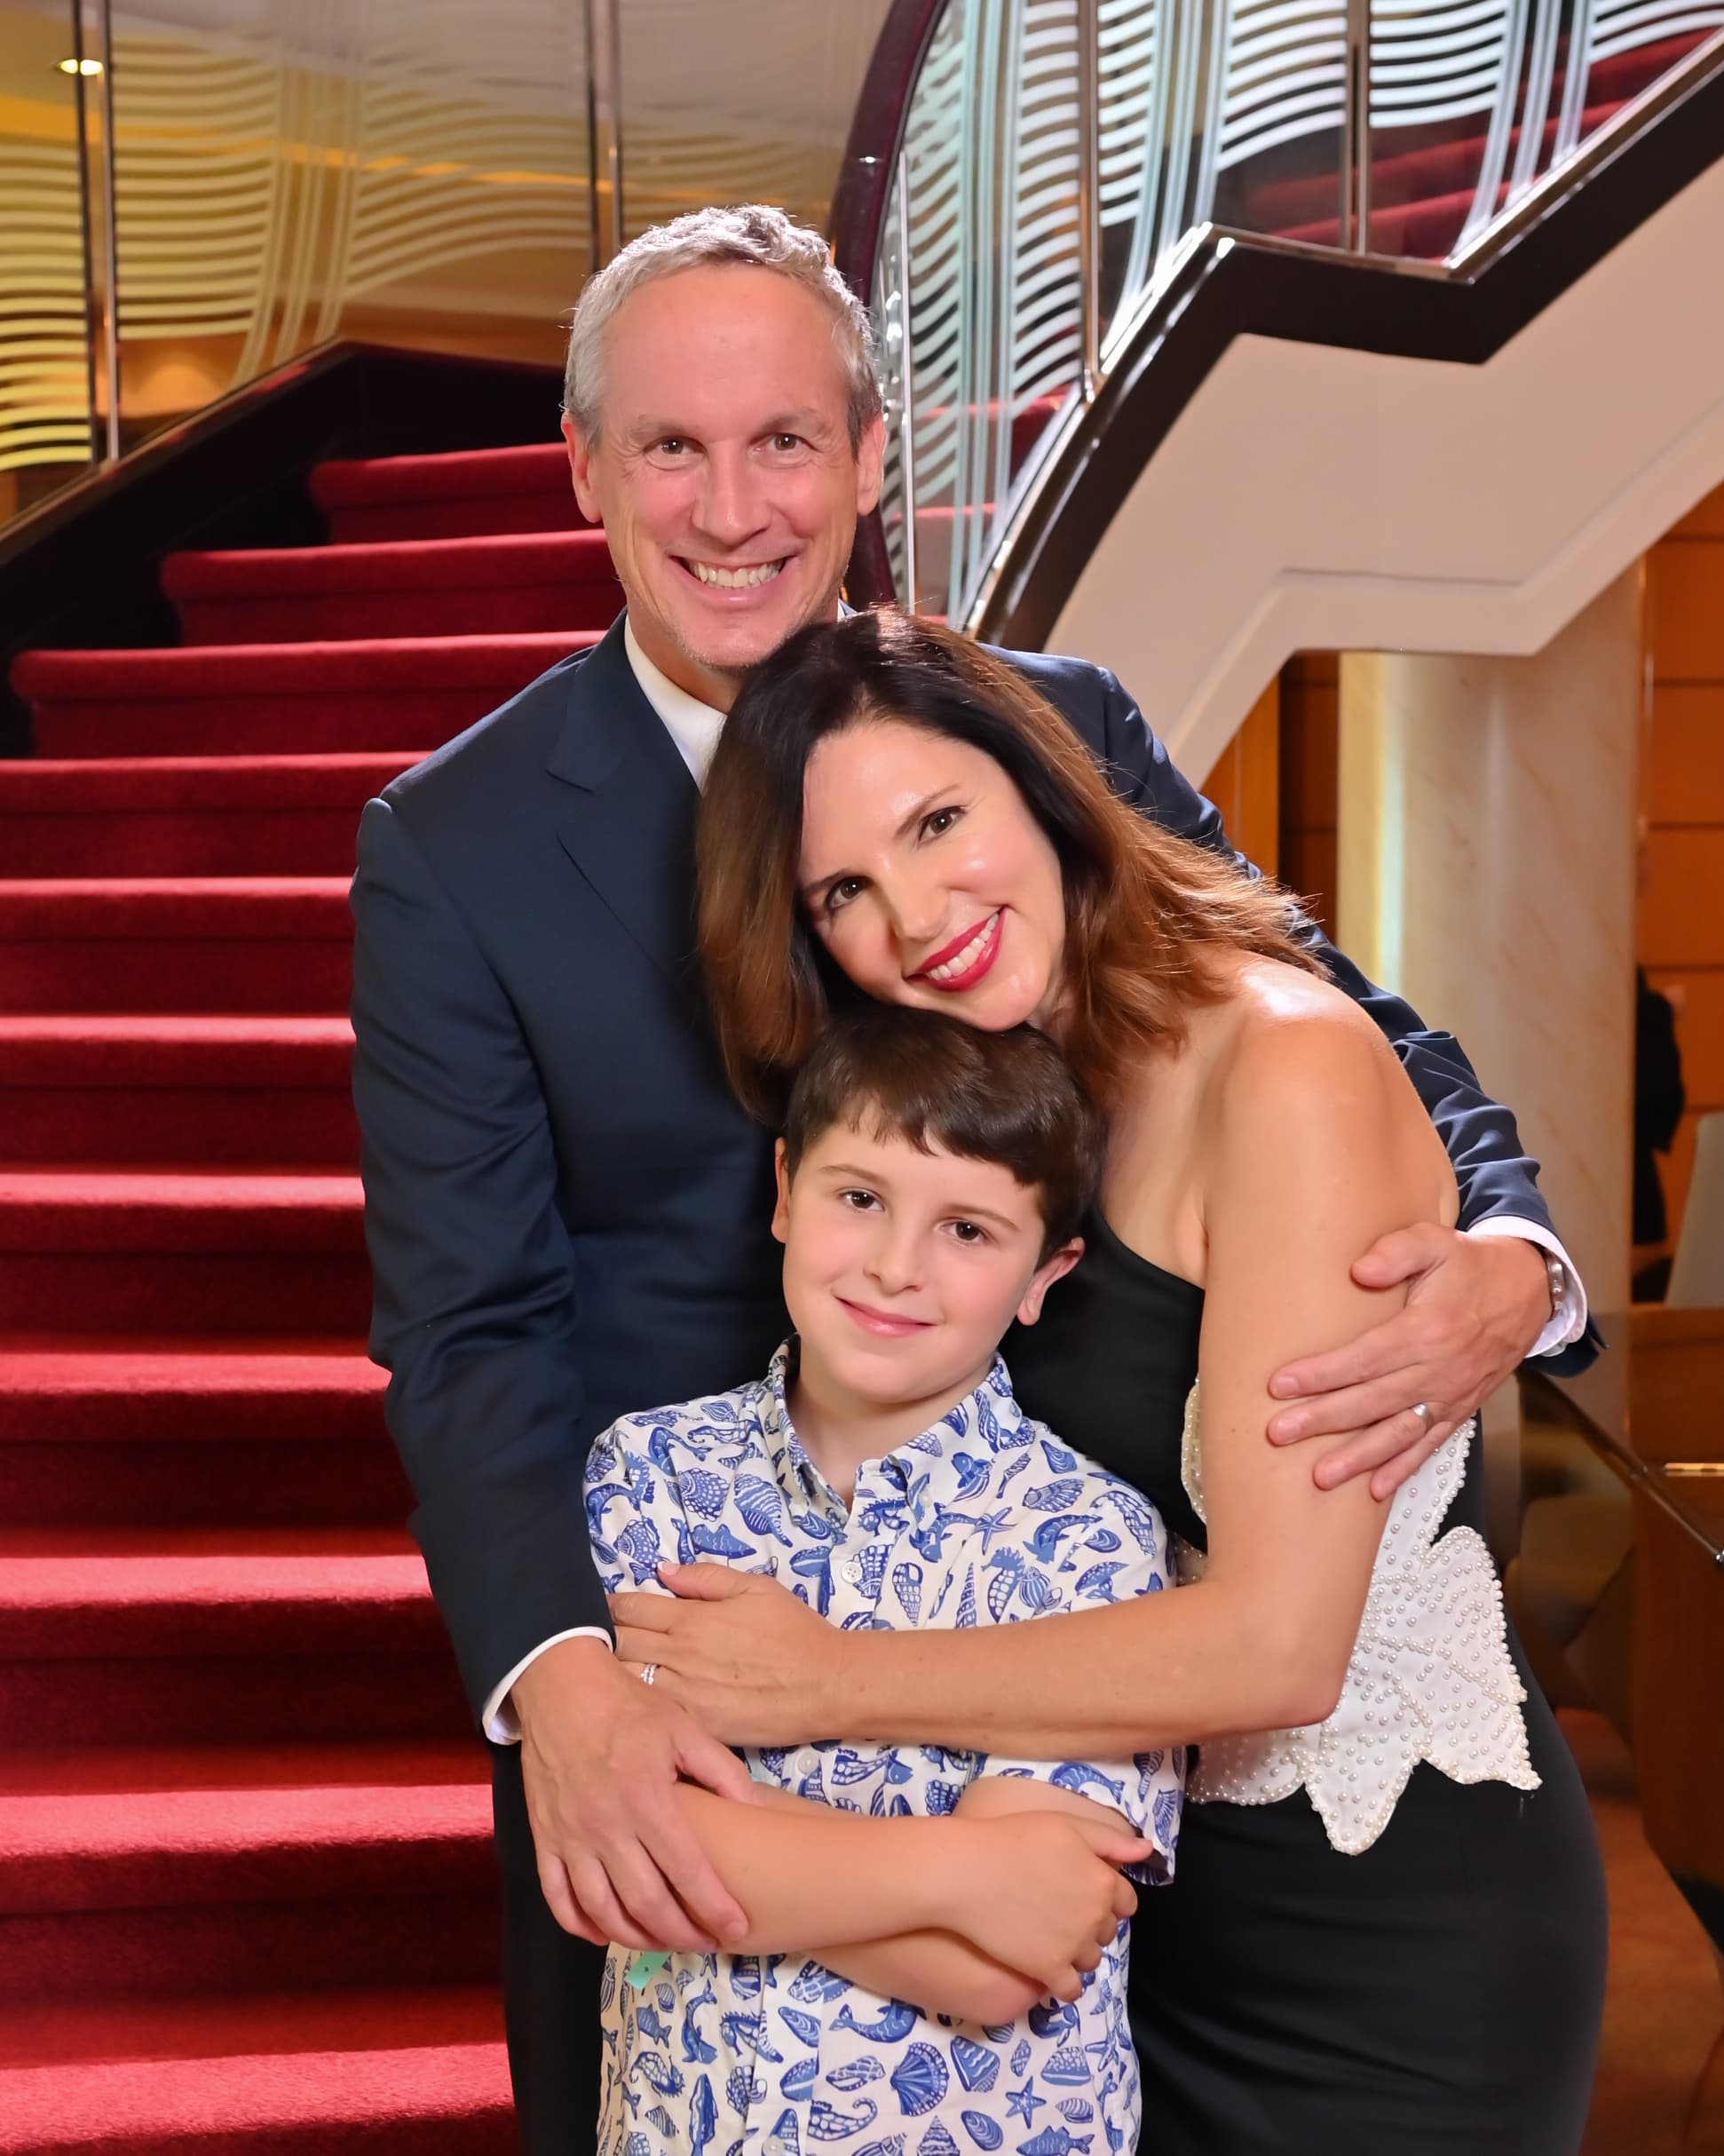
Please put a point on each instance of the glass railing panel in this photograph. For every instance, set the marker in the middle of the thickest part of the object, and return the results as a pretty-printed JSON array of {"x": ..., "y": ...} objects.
[
  {"x": 1282, "y": 154},
  {"x": 985, "y": 259},
  {"x": 1475, "y": 102},
  {"x": 46, "y": 391},
  {"x": 750, "y": 101},
  {"x": 1213, "y": 112},
  {"x": 413, "y": 171}
]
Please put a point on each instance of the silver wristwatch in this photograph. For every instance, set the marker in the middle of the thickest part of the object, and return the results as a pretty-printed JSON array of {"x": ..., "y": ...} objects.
[{"x": 1557, "y": 1273}]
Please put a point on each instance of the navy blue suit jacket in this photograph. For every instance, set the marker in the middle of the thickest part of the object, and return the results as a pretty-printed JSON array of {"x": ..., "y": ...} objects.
[{"x": 566, "y": 1212}]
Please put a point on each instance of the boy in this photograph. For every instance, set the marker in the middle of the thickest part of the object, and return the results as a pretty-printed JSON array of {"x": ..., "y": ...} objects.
[{"x": 911, "y": 1910}]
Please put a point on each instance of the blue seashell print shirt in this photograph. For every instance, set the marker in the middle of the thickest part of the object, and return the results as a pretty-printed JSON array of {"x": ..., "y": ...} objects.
[{"x": 986, "y": 1519}]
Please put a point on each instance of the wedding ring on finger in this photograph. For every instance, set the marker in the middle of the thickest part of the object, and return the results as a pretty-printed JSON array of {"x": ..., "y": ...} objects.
[
  {"x": 1425, "y": 1415},
  {"x": 648, "y": 1671}
]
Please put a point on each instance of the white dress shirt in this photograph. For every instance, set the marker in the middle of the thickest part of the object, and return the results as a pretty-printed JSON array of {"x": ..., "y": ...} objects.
[{"x": 694, "y": 727}]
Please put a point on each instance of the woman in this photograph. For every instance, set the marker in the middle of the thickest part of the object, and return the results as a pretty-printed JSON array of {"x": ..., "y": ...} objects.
[{"x": 1386, "y": 1933}]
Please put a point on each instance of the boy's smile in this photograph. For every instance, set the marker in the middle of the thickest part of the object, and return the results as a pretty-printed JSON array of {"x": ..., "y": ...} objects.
[{"x": 902, "y": 1271}]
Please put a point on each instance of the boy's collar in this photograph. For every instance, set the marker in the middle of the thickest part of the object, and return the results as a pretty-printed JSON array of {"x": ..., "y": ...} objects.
[{"x": 986, "y": 1420}]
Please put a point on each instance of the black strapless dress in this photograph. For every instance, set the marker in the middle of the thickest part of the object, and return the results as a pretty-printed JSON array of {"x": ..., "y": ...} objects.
[{"x": 1441, "y": 1990}]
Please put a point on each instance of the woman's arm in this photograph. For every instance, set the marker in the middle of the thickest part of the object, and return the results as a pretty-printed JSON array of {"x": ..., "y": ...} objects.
[
  {"x": 1029, "y": 1888},
  {"x": 1314, "y": 1145}
]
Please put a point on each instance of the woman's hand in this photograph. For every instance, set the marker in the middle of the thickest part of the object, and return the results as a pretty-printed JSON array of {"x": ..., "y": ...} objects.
[
  {"x": 752, "y": 1663},
  {"x": 1041, "y": 1893}
]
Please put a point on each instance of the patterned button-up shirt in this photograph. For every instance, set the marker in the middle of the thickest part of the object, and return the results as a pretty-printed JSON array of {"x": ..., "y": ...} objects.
[{"x": 983, "y": 1519}]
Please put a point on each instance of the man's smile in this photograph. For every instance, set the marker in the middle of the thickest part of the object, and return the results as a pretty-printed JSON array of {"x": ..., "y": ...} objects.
[{"x": 737, "y": 576}]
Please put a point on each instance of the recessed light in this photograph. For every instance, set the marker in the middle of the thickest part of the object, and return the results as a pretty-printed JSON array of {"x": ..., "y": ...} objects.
[{"x": 79, "y": 66}]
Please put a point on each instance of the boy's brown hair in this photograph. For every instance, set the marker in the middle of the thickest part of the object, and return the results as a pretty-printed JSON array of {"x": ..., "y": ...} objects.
[{"x": 1010, "y": 1098}]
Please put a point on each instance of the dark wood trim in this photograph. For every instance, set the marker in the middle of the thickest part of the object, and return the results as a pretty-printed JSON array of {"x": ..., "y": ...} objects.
[
  {"x": 80, "y": 570},
  {"x": 858, "y": 200},
  {"x": 1231, "y": 287},
  {"x": 858, "y": 206}
]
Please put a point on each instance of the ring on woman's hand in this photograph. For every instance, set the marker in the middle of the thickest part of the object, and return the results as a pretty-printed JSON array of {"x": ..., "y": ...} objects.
[
  {"x": 648, "y": 1671},
  {"x": 1418, "y": 1408}
]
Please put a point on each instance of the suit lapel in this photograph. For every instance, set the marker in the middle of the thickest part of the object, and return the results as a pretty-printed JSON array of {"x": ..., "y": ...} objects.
[{"x": 628, "y": 824}]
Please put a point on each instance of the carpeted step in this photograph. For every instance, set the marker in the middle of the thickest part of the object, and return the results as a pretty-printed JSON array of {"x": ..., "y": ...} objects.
[
  {"x": 207, "y": 1433},
  {"x": 154, "y": 1636},
  {"x": 389, "y": 693},
  {"x": 404, "y": 2072},
  {"x": 1439, "y": 168},
  {"x": 409, "y": 2073},
  {"x": 218, "y": 1251},
  {"x": 215, "y": 815},
  {"x": 260, "y": 1090},
  {"x": 469, "y": 493},
  {"x": 501, "y": 586},
  {"x": 233, "y": 944},
  {"x": 292, "y": 1869}
]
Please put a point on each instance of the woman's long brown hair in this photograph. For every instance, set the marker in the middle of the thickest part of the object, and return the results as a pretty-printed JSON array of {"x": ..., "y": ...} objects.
[{"x": 1148, "y": 914}]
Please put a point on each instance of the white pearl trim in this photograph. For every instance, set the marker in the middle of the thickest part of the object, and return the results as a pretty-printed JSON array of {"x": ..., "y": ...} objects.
[{"x": 1431, "y": 1675}]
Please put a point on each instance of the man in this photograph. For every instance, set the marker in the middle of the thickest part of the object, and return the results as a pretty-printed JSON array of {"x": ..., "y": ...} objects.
[{"x": 568, "y": 1216}]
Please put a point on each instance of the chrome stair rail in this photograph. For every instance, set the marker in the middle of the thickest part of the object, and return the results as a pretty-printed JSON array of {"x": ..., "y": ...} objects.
[{"x": 1028, "y": 180}]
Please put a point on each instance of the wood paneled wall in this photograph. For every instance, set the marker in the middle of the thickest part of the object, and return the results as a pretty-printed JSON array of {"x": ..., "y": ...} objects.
[
  {"x": 1245, "y": 783},
  {"x": 1680, "y": 930},
  {"x": 1310, "y": 733}
]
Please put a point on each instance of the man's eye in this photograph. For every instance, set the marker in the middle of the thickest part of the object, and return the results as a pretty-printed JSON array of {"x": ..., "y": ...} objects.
[
  {"x": 673, "y": 445},
  {"x": 786, "y": 441}
]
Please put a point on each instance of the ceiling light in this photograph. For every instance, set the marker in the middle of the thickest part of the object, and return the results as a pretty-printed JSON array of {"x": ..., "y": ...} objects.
[{"x": 79, "y": 66}]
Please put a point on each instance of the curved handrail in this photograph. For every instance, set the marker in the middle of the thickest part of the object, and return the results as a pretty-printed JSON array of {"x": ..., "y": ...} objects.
[
  {"x": 1231, "y": 284},
  {"x": 1031, "y": 188}
]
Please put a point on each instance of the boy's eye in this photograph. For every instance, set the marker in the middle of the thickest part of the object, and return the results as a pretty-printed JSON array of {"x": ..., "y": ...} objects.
[
  {"x": 969, "y": 1232},
  {"x": 859, "y": 1200}
]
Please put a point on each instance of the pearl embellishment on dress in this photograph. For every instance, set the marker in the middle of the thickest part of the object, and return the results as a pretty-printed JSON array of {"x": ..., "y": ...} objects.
[{"x": 1430, "y": 1677}]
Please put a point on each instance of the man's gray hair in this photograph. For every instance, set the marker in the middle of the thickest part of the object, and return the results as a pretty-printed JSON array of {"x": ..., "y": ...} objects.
[{"x": 755, "y": 234}]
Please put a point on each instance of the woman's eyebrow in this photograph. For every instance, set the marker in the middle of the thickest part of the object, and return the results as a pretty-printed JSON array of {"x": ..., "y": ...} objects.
[
  {"x": 838, "y": 875},
  {"x": 809, "y": 892}
]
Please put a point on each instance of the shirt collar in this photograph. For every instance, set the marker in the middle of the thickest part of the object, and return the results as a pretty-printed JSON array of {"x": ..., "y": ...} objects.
[
  {"x": 694, "y": 727},
  {"x": 948, "y": 1462}
]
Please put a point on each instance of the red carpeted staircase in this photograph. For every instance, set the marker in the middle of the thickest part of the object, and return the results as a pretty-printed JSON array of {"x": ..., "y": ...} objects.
[{"x": 247, "y": 1896}]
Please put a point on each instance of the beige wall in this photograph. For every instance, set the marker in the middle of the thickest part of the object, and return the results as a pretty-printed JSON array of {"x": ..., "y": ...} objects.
[{"x": 1487, "y": 870}]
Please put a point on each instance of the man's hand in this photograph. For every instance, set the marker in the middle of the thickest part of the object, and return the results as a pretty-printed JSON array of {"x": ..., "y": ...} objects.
[
  {"x": 753, "y": 1663},
  {"x": 601, "y": 1754},
  {"x": 1476, "y": 1306}
]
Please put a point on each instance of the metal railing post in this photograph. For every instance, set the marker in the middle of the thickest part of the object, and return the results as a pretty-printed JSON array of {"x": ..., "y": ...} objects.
[
  {"x": 110, "y": 216},
  {"x": 907, "y": 439},
  {"x": 605, "y": 126},
  {"x": 1356, "y": 161},
  {"x": 1089, "y": 191},
  {"x": 93, "y": 298}
]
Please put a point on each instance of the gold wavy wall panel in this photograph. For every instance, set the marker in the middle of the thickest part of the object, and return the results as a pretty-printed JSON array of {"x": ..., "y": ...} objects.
[
  {"x": 44, "y": 401},
  {"x": 289, "y": 170}
]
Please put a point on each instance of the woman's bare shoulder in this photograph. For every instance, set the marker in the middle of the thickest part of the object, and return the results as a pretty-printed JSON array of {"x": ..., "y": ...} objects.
[
  {"x": 1302, "y": 1066},
  {"x": 1272, "y": 1011}
]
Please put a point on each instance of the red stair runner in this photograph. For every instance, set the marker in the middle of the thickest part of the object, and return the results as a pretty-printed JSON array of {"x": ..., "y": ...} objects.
[{"x": 247, "y": 1896}]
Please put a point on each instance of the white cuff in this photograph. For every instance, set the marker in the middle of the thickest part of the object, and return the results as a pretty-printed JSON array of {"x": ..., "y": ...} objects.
[
  {"x": 1568, "y": 1321},
  {"x": 500, "y": 1722}
]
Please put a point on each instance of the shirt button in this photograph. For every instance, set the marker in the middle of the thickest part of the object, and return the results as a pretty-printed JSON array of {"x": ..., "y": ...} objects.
[
  {"x": 850, "y": 1571},
  {"x": 805, "y": 1763},
  {"x": 771, "y": 2146}
]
